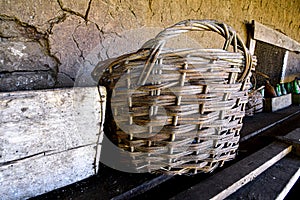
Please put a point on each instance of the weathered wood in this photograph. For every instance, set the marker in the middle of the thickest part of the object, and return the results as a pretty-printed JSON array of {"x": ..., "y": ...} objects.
[
  {"x": 284, "y": 67},
  {"x": 271, "y": 36},
  {"x": 229, "y": 180},
  {"x": 252, "y": 44},
  {"x": 272, "y": 184},
  {"x": 277, "y": 103},
  {"x": 49, "y": 136}
]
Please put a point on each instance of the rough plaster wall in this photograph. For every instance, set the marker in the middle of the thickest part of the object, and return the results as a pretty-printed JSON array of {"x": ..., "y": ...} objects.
[{"x": 47, "y": 43}]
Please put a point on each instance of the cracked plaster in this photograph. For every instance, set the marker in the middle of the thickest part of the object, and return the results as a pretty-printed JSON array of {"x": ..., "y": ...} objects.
[
  {"x": 80, "y": 8},
  {"x": 72, "y": 30}
]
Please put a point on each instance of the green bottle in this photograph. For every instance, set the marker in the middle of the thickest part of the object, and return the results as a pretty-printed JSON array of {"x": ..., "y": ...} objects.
[
  {"x": 283, "y": 90},
  {"x": 296, "y": 89},
  {"x": 289, "y": 87},
  {"x": 278, "y": 90}
]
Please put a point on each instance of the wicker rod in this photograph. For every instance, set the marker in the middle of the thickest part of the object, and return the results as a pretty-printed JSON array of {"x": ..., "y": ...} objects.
[{"x": 194, "y": 25}]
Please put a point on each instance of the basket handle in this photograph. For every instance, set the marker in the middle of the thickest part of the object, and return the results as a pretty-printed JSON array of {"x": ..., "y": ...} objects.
[{"x": 231, "y": 38}]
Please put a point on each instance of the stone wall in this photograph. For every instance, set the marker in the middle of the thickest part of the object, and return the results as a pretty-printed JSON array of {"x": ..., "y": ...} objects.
[{"x": 56, "y": 43}]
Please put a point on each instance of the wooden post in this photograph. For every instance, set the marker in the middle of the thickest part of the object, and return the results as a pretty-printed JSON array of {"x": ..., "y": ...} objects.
[{"x": 49, "y": 139}]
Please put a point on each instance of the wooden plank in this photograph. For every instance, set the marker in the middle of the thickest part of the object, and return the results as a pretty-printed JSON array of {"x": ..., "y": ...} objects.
[
  {"x": 271, "y": 36},
  {"x": 255, "y": 126},
  {"x": 229, "y": 180},
  {"x": 39, "y": 174},
  {"x": 284, "y": 67},
  {"x": 49, "y": 138},
  {"x": 277, "y": 103},
  {"x": 252, "y": 44},
  {"x": 273, "y": 183}
]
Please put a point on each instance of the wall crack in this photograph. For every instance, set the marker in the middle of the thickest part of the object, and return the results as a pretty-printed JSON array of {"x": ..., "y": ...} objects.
[
  {"x": 87, "y": 11},
  {"x": 68, "y": 10}
]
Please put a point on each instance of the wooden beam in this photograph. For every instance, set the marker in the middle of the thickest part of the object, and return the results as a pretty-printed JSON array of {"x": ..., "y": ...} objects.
[
  {"x": 271, "y": 36},
  {"x": 51, "y": 137},
  {"x": 229, "y": 180}
]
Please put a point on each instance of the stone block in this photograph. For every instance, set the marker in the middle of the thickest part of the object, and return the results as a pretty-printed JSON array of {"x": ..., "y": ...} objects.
[
  {"x": 26, "y": 80},
  {"x": 24, "y": 56},
  {"x": 49, "y": 139}
]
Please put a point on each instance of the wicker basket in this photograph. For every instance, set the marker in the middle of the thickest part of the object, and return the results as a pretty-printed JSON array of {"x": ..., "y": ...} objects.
[
  {"x": 255, "y": 103},
  {"x": 178, "y": 111}
]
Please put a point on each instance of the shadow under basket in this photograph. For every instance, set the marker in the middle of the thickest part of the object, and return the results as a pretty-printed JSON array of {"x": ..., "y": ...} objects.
[{"x": 178, "y": 111}]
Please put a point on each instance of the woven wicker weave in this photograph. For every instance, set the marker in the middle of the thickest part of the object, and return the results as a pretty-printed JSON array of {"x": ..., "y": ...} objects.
[{"x": 178, "y": 111}]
